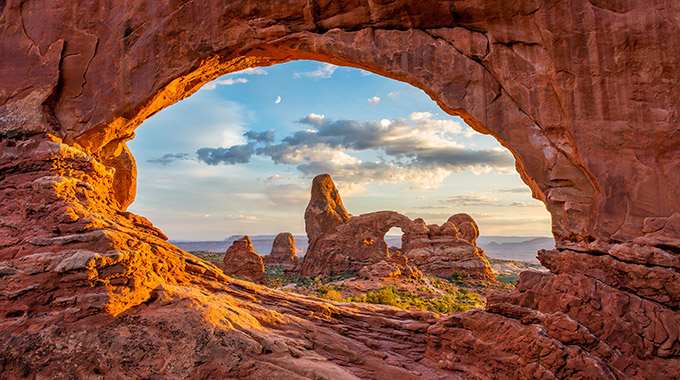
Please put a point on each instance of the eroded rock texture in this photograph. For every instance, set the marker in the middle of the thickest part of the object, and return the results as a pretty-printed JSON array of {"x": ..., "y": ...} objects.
[
  {"x": 338, "y": 243},
  {"x": 283, "y": 251},
  {"x": 447, "y": 249},
  {"x": 242, "y": 261},
  {"x": 582, "y": 92}
]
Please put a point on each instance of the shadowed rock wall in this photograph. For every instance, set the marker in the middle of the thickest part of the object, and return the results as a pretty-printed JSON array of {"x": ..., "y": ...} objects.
[{"x": 582, "y": 92}]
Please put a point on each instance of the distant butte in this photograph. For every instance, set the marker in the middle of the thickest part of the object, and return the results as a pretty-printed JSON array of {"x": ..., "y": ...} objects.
[
  {"x": 283, "y": 251},
  {"x": 583, "y": 93}
]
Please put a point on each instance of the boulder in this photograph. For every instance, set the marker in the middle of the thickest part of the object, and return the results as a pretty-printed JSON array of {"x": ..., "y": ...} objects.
[{"x": 241, "y": 261}]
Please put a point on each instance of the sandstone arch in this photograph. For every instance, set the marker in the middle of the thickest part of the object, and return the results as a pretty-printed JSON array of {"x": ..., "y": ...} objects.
[{"x": 583, "y": 93}]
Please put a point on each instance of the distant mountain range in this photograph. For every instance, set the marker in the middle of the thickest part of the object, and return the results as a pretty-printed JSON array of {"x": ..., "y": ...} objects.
[
  {"x": 515, "y": 248},
  {"x": 518, "y": 248}
]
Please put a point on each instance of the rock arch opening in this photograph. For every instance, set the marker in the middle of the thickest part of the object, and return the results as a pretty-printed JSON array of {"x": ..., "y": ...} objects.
[
  {"x": 239, "y": 156},
  {"x": 393, "y": 237}
]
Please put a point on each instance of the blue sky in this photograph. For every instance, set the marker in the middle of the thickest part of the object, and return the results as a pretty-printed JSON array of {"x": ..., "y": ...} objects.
[{"x": 238, "y": 156}]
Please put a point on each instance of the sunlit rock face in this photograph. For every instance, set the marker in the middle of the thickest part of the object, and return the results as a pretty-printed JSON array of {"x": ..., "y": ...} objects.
[
  {"x": 242, "y": 261},
  {"x": 283, "y": 251},
  {"x": 583, "y": 93},
  {"x": 447, "y": 250},
  {"x": 338, "y": 244}
]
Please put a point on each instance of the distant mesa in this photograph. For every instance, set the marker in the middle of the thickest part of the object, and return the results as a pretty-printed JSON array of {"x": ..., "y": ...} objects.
[
  {"x": 283, "y": 251},
  {"x": 242, "y": 261},
  {"x": 340, "y": 242}
]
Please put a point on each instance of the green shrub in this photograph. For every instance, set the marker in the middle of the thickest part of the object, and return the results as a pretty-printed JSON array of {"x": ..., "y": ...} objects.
[
  {"x": 507, "y": 278},
  {"x": 328, "y": 292},
  {"x": 449, "y": 303},
  {"x": 385, "y": 295}
]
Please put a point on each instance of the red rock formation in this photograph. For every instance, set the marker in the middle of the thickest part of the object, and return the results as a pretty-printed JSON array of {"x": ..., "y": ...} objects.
[
  {"x": 241, "y": 261},
  {"x": 351, "y": 245},
  {"x": 395, "y": 266},
  {"x": 358, "y": 242},
  {"x": 466, "y": 227},
  {"x": 582, "y": 92},
  {"x": 324, "y": 211},
  {"x": 445, "y": 250},
  {"x": 283, "y": 251}
]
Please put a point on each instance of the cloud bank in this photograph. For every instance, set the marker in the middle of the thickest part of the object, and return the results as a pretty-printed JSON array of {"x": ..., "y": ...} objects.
[{"x": 421, "y": 150}]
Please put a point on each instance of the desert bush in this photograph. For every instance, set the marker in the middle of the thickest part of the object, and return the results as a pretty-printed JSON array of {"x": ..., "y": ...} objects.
[
  {"x": 328, "y": 292},
  {"x": 385, "y": 295}
]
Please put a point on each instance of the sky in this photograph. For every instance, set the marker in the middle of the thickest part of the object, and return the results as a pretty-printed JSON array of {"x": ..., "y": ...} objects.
[{"x": 238, "y": 156}]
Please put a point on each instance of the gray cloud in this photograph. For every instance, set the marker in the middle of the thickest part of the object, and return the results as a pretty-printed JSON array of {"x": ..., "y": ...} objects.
[
  {"x": 526, "y": 204},
  {"x": 260, "y": 137},
  {"x": 469, "y": 200},
  {"x": 170, "y": 158},
  {"x": 237, "y": 154},
  {"x": 456, "y": 158},
  {"x": 418, "y": 150},
  {"x": 514, "y": 190},
  {"x": 397, "y": 138}
]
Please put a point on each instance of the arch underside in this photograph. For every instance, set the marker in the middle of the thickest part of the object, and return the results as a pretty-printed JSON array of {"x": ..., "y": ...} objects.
[{"x": 582, "y": 93}]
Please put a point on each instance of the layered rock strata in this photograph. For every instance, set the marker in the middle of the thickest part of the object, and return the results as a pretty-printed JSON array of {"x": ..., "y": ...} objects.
[
  {"x": 242, "y": 261},
  {"x": 583, "y": 93},
  {"x": 283, "y": 251}
]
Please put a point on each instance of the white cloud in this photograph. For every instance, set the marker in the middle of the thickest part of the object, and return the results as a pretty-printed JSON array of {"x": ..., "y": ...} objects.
[
  {"x": 324, "y": 71},
  {"x": 273, "y": 178},
  {"x": 374, "y": 100},
  {"x": 253, "y": 71},
  {"x": 242, "y": 218},
  {"x": 535, "y": 203},
  {"x": 393, "y": 95},
  {"x": 470, "y": 200},
  {"x": 224, "y": 82},
  {"x": 443, "y": 126}
]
